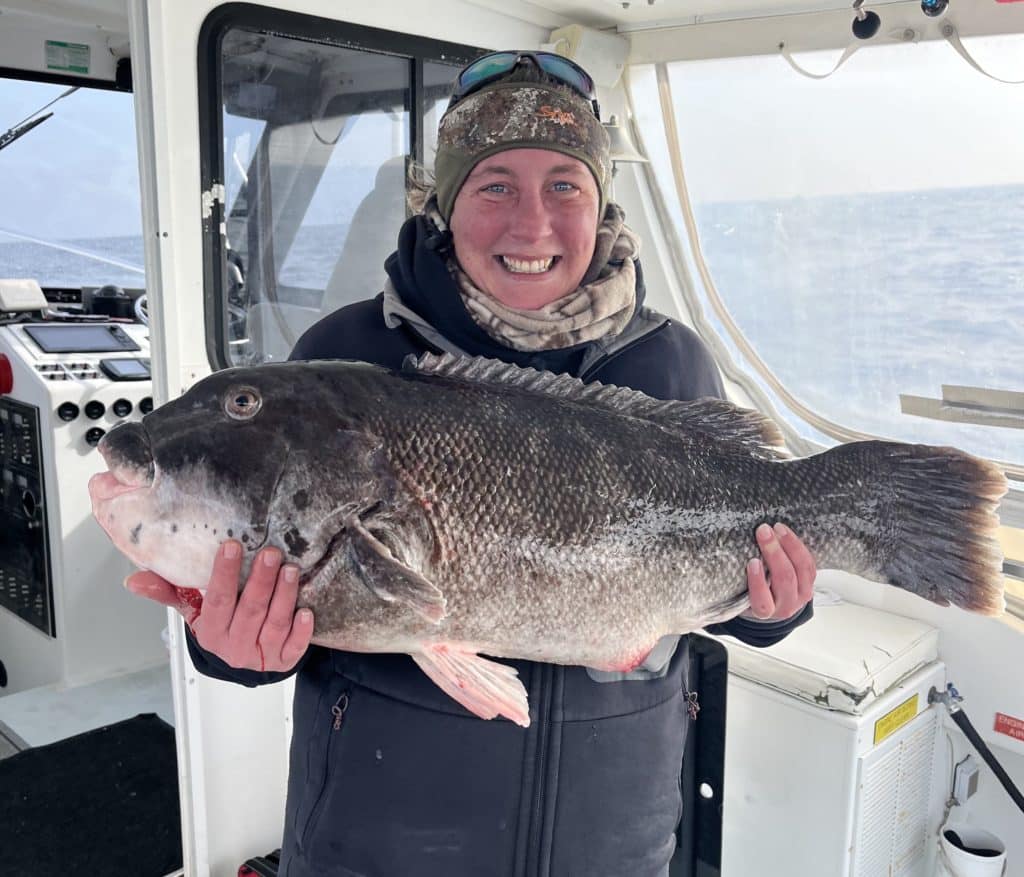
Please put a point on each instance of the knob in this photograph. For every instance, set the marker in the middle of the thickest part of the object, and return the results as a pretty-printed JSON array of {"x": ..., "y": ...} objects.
[
  {"x": 93, "y": 436},
  {"x": 29, "y": 504},
  {"x": 146, "y": 405},
  {"x": 67, "y": 411},
  {"x": 94, "y": 410},
  {"x": 122, "y": 407}
]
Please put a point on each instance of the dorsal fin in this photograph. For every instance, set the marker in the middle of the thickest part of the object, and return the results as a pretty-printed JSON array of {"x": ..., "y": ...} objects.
[{"x": 716, "y": 419}]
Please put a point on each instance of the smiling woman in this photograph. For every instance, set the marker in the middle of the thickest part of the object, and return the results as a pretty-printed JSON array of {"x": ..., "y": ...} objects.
[
  {"x": 517, "y": 257},
  {"x": 524, "y": 226}
]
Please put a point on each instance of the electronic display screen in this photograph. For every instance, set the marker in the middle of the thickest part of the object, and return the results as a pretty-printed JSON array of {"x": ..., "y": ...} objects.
[
  {"x": 126, "y": 369},
  {"x": 81, "y": 339}
]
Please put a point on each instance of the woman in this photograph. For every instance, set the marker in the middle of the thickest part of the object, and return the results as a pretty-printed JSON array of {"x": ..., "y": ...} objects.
[{"x": 518, "y": 256}]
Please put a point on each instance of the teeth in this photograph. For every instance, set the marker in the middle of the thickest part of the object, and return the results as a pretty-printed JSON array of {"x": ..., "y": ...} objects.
[{"x": 532, "y": 266}]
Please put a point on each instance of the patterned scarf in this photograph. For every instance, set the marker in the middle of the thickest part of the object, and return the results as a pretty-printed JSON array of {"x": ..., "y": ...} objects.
[{"x": 601, "y": 306}]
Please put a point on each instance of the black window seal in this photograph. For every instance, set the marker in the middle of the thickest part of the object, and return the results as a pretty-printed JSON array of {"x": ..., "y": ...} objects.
[
  {"x": 24, "y": 75},
  {"x": 415, "y": 49}
]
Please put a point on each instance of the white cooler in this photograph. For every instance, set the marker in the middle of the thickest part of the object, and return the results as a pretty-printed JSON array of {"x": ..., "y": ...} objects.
[{"x": 832, "y": 758}]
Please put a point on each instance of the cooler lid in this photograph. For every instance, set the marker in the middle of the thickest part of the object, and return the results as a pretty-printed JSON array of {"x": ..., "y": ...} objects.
[{"x": 844, "y": 659}]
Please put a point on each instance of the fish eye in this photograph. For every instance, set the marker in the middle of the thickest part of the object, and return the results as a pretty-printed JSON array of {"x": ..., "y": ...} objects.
[{"x": 242, "y": 403}]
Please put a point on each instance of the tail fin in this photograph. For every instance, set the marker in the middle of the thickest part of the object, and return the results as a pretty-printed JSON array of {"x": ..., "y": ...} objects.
[{"x": 944, "y": 527}]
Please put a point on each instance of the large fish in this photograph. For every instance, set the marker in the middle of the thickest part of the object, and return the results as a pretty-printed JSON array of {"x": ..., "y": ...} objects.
[{"x": 464, "y": 507}]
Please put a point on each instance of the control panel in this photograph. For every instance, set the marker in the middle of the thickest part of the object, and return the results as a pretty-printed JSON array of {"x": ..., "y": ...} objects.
[
  {"x": 64, "y": 616},
  {"x": 95, "y": 374},
  {"x": 25, "y": 580}
]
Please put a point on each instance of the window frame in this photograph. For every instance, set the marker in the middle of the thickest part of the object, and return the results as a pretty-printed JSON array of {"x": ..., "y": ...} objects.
[
  {"x": 415, "y": 50},
  {"x": 68, "y": 79}
]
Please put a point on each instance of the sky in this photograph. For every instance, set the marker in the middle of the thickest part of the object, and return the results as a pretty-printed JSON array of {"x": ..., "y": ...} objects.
[
  {"x": 898, "y": 118},
  {"x": 892, "y": 118},
  {"x": 76, "y": 174}
]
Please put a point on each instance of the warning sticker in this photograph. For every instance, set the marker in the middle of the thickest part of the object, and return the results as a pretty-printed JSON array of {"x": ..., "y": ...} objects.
[
  {"x": 895, "y": 719},
  {"x": 1010, "y": 726},
  {"x": 68, "y": 57}
]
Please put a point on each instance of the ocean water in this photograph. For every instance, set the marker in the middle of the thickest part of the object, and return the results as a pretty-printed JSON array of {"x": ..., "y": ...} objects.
[
  {"x": 75, "y": 262},
  {"x": 850, "y": 300}
]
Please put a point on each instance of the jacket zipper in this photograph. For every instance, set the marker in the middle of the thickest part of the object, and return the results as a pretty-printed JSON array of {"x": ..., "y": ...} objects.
[
  {"x": 691, "y": 697},
  {"x": 338, "y": 711},
  {"x": 536, "y": 848},
  {"x": 692, "y": 704},
  {"x": 337, "y": 716}
]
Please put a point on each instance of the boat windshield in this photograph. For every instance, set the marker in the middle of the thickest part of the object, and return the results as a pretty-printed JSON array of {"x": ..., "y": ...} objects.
[
  {"x": 855, "y": 235},
  {"x": 70, "y": 214}
]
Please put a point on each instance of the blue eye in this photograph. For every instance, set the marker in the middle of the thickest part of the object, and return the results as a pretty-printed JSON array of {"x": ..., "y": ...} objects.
[
  {"x": 564, "y": 187},
  {"x": 495, "y": 187}
]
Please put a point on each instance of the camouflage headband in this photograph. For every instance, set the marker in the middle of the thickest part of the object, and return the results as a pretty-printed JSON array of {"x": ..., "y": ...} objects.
[{"x": 517, "y": 115}]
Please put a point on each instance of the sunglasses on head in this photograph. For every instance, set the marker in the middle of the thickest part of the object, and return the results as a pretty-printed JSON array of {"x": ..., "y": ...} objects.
[{"x": 494, "y": 66}]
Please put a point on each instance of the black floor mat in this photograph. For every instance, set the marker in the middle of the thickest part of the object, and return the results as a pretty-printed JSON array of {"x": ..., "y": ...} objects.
[{"x": 103, "y": 803}]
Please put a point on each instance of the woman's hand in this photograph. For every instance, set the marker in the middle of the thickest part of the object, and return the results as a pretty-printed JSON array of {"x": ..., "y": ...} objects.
[
  {"x": 256, "y": 628},
  {"x": 788, "y": 585}
]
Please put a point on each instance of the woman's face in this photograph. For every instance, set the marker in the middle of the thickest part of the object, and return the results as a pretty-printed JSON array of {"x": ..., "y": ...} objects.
[{"x": 524, "y": 225}]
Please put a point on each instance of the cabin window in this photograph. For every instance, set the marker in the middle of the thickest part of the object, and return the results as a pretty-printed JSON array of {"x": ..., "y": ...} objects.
[
  {"x": 862, "y": 231},
  {"x": 311, "y": 127},
  {"x": 856, "y": 240},
  {"x": 69, "y": 214}
]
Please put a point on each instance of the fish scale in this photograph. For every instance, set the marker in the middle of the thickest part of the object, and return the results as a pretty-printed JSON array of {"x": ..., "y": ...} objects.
[{"x": 464, "y": 507}]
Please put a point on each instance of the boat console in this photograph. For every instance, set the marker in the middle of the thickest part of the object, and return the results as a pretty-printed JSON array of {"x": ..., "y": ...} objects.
[{"x": 64, "y": 619}]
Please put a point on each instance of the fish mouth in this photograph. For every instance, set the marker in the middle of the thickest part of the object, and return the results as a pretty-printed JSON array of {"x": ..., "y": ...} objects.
[
  {"x": 126, "y": 451},
  {"x": 107, "y": 486}
]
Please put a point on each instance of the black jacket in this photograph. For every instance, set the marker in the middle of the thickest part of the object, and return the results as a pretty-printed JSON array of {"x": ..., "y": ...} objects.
[{"x": 390, "y": 777}]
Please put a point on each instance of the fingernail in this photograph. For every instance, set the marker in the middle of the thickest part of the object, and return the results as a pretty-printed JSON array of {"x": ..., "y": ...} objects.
[
  {"x": 232, "y": 549},
  {"x": 125, "y": 584},
  {"x": 764, "y": 533},
  {"x": 781, "y": 530},
  {"x": 291, "y": 574},
  {"x": 271, "y": 557},
  {"x": 305, "y": 616},
  {"x": 754, "y": 566}
]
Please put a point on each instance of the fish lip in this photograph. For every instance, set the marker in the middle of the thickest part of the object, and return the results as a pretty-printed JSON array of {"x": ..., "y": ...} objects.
[
  {"x": 106, "y": 486},
  {"x": 131, "y": 477},
  {"x": 122, "y": 476},
  {"x": 130, "y": 474}
]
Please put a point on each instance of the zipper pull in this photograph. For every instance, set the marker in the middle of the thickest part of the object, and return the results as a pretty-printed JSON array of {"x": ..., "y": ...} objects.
[
  {"x": 338, "y": 710},
  {"x": 692, "y": 706}
]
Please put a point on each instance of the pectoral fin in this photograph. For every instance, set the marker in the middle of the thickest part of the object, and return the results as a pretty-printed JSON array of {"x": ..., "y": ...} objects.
[
  {"x": 390, "y": 579},
  {"x": 484, "y": 687}
]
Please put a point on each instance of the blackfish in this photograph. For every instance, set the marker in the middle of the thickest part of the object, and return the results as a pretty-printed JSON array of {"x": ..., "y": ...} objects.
[{"x": 463, "y": 506}]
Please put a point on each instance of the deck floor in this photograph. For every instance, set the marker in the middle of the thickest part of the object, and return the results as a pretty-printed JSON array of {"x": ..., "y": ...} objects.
[{"x": 45, "y": 715}]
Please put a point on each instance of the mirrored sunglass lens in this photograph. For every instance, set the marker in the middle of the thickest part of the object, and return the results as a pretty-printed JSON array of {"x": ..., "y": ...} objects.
[
  {"x": 486, "y": 67},
  {"x": 568, "y": 73}
]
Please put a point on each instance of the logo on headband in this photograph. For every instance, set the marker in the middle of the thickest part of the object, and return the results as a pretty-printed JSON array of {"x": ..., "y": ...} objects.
[{"x": 559, "y": 117}]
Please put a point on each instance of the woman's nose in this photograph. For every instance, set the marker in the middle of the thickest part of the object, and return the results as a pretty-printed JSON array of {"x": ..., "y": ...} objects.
[{"x": 531, "y": 218}]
